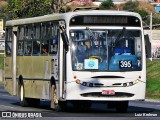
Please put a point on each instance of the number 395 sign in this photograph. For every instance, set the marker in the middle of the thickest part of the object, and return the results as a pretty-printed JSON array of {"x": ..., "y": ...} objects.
[{"x": 125, "y": 64}]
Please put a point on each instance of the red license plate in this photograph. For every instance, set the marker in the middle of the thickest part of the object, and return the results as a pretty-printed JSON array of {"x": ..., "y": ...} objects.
[{"x": 108, "y": 92}]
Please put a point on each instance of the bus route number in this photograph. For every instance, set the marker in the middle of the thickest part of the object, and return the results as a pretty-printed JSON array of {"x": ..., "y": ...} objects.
[{"x": 125, "y": 64}]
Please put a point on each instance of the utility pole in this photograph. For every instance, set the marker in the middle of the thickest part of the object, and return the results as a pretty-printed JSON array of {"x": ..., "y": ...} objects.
[{"x": 151, "y": 34}]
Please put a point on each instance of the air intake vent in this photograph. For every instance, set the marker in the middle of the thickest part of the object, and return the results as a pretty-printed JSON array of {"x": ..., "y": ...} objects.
[{"x": 99, "y": 94}]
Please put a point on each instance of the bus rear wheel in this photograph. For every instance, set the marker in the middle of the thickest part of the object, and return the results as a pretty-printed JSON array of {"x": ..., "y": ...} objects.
[
  {"x": 23, "y": 100},
  {"x": 122, "y": 106}
]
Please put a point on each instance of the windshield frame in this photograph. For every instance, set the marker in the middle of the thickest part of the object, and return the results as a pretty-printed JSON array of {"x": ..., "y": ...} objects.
[{"x": 107, "y": 29}]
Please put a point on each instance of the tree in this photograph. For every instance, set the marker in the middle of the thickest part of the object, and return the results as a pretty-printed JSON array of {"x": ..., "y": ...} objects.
[
  {"x": 58, "y": 5},
  {"x": 143, "y": 13},
  {"x": 108, "y": 4},
  {"x": 131, "y": 5},
  {"x": 26, "y": 8}
]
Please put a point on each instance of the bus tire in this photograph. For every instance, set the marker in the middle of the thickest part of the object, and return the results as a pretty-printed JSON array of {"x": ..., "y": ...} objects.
[
  {"x": 23, "y": 101},
  {"x": 122, "y": 106},
  {"x": 62, "y": 106},
  {"x": 53, "y": 96}
]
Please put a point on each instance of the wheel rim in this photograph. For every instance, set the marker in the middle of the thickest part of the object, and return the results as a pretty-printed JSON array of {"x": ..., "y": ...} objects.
[{"x": 21, "y": 93}]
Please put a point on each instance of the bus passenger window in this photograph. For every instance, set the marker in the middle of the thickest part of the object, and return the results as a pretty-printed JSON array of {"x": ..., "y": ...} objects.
[
  {"x": 27, "y": 47},
  {"x": 28, "y": 50},
  {"x": 8, "y": 48},
  {"x": 54, "y": 46},
  {"x": 20, "y": 48},
  {"x": 36, "y": 47},
  {"x": 44, "y": 49}
]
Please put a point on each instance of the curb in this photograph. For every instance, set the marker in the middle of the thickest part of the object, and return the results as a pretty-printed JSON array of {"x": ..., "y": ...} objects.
[{"x": 152, "y": 100}]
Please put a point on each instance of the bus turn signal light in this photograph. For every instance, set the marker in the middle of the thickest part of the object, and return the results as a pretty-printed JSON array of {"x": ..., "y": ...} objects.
[
  {"x": 75, "y": 77},
  {"x": 78, "y": 81}
]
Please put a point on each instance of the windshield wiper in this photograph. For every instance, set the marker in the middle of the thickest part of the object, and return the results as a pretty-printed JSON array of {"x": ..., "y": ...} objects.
[
  {"x": 91, "y": 33},
  {"x": 120, "y": 34}
]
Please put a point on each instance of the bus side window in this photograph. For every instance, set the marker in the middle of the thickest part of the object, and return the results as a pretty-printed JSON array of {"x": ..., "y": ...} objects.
[
  {"x": 8, "y": 46},
  {"x": 54, "y": 46},
  {"x": 45, "y": 46},
  {"x": 20, "y": 48},
  {"x": 20, "y": 40},
  {"x": 27, "y": 47},
  {"x": 36, "y": 48},
  {"x": 54, "y": 38}
]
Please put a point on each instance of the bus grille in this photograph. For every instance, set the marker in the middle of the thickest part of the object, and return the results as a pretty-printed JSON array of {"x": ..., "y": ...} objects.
[{"x": 99, "y": 94}]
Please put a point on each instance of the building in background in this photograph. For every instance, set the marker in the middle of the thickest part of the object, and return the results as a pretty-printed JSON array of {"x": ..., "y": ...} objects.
[{"x": 2, "y": 36}]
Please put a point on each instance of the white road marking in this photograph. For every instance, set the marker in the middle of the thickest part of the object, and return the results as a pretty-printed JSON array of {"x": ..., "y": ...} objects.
[
  {"x": 6, "y": 106},
  {"x": 8, "y": 95}
]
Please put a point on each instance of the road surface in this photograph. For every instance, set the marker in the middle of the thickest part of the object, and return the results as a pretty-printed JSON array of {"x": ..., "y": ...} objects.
[{"x": 137, "y": 109}]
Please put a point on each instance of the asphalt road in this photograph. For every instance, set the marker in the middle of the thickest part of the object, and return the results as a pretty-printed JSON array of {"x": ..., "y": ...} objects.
[{"x": 137, "y": 110}]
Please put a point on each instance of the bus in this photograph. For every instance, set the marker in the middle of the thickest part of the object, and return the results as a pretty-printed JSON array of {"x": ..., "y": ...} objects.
[{"x": 77, "y": 57}]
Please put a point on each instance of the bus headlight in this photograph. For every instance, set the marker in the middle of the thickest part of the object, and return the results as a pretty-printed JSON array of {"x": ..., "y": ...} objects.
[
  {"x": 84, "y": 84},
  {"x": 130, "y": 83}
]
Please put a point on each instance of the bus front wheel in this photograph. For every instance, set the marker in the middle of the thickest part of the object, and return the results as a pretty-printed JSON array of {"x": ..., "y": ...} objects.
[{"x": 54, "y": 100}]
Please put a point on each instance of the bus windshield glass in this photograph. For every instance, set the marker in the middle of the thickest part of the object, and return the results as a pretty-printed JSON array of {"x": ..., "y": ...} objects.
[{"x": 106, "y": 49}]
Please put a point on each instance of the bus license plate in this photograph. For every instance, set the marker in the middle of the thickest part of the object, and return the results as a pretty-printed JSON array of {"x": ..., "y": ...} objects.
[{"x": 108, "y": 92}]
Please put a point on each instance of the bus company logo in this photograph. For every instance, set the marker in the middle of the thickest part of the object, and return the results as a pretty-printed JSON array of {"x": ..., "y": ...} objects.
[
  {"x": 6, "y": 115},
  {"x": 91, "y": 63}
]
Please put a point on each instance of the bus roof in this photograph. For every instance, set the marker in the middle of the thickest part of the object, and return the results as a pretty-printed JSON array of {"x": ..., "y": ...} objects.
[{"x": 67, "y": 16}]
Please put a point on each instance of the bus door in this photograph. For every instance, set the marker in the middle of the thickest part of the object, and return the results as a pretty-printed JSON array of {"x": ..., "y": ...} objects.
[{"x": 63, "y": 48}]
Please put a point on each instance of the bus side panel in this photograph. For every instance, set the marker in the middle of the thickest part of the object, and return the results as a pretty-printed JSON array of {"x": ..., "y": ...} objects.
[
  {"x": 36, "y": 75},
  {"x": 24, "y": 68},
  {"x": 41, "y": 69},
  {"x": 8, "y": 75}
]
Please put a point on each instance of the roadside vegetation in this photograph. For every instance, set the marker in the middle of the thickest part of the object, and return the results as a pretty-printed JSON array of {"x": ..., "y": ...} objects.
[
  {"x": 1, "y": 61},
  {"x": 15, "y": 9},
  {"x": 153, "y": 79}
]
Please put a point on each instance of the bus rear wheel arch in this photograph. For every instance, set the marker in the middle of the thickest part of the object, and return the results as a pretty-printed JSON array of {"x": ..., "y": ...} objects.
[
  {"x": 53, "y": 96},
  {"x": 21, "y": 92},
  {"x": 24, "y": 101},
  {"x": 56, "y": 104}
]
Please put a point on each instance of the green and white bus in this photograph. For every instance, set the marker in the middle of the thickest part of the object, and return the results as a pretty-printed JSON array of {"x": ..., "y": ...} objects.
[{"x": 77, "y": 57}]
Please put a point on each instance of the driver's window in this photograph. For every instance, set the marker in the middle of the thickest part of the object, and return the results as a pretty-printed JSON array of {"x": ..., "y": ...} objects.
[{"x": 122, "y": 47}]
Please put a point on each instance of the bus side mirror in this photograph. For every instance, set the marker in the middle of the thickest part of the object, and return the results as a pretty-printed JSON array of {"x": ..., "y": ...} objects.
[
  {"x": 148, "y": 46},
  {"x": 64, "y": 37},
  {"x": 65, "y": 40}
]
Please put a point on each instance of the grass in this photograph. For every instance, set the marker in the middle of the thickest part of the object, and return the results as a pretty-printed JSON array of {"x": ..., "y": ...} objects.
[
  {"x": 153, "y": 79},
  {"x": 1, "y": 82},
  {"x": 1, "y": 61}
]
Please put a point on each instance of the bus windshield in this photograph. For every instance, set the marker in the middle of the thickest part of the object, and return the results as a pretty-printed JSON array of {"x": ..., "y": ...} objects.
[{"x": 106, "y": 49}]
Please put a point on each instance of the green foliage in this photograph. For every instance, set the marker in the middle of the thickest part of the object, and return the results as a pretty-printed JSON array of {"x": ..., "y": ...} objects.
[
  {"x": 108, "y": 4},
  {"x": 156, "y": 18},
  {"x": 26, "y": 8},
  {"x": 143, "y": 13},
  {"x": 153, "y": 79},
  {"x": 1, "y": 61},
  {"x": 131, "y": 5}
]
